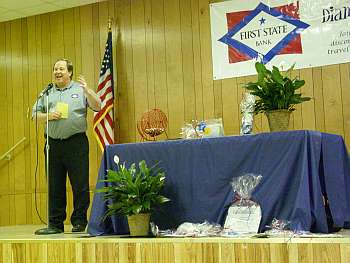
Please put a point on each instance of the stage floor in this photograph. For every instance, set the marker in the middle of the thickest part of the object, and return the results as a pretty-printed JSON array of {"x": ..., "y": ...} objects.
[
  {"x": 26, "y": 232},
  {"x": 19, "y": 244}
]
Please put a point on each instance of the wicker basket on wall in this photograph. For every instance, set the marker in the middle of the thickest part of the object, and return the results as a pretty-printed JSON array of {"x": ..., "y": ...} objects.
[{"x": 278, "y": 120}]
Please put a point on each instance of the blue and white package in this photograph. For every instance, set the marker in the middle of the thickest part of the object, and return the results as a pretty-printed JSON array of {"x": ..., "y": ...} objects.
[{"x": 247, "y": 110}]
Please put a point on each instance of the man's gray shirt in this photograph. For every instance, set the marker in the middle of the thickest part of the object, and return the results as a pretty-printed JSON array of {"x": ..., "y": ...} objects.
[{"x": 76, "y": 122}]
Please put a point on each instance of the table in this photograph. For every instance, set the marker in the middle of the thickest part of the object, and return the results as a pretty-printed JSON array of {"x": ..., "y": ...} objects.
[{"x": 300, "y": 169}]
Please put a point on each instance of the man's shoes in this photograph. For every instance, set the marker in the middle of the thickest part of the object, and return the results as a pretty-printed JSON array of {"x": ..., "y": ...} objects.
[
  {"x": 79, "y": 228},
  {"x": 48, "y": 231}
]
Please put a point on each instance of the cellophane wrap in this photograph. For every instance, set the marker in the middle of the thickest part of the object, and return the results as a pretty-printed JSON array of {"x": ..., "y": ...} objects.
[
  {"x": 202, "y": 129},
  {"x": 247, "y": 110},
  {"x": 188, "y": 229},
  {"x": 279, "y": 227}
]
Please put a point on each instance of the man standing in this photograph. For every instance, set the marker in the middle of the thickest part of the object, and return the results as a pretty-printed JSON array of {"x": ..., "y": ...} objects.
[{"x": 68, "y": 145}]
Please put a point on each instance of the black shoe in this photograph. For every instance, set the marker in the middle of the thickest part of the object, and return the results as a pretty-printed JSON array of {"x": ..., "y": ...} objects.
[
  {"x": 79, "y": 228},
  {"x": 48, "y": 231}
]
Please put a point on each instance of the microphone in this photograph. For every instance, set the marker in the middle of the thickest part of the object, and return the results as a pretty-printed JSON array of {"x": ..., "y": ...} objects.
[{"x": 46, "y": 90}]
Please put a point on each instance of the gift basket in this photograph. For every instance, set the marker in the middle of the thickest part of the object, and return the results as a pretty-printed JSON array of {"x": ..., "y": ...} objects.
[
  {"x": 202, "y": 129},
  {"x": 244, "y": 215}
]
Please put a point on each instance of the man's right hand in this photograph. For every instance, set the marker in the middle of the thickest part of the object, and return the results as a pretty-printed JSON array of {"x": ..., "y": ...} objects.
[{"x": 55, "y": 115}]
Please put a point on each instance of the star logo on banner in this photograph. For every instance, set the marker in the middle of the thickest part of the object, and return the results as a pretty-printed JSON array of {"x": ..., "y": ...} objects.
[
  {"x": 262, "y": 21},
  {"x": 263, "y": 33}
]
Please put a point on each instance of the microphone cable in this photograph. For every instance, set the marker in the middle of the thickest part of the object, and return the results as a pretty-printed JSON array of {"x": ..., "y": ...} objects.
[{"x": 36, "y": 166}]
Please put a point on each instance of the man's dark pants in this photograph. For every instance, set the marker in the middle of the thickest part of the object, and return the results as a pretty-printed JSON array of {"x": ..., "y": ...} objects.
[{"x": 68, "y": 156}]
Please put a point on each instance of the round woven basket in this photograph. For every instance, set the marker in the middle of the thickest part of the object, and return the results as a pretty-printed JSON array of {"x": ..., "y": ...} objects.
[
  {"x": 278, "y": 120},
  {"x": 139, "y": 224}
]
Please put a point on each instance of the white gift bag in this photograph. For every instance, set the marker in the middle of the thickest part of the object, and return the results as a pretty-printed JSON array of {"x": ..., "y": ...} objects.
[{"x": 243, "y": 219}]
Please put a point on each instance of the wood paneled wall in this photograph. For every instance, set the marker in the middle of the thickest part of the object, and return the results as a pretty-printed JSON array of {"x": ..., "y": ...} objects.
[{"x": 162, "y": 59}]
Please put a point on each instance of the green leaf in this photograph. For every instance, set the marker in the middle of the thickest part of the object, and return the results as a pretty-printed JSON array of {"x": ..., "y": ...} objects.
[
  {"x": 276, "y": 76},
  {"x": 287, "y": 73}
]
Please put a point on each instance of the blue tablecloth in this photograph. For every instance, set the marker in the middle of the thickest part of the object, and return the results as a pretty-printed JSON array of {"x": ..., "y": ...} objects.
[{"x": 300, "y": 170}]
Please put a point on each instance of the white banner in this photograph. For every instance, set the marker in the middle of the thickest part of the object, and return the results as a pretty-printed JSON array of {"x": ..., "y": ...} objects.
[{"x": 308, "y": 33}]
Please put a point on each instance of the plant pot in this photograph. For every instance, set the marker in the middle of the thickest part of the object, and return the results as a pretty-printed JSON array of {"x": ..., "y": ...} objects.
[
  {"x": 139, "y": 224},
  {"x": 278, "y": 120}
]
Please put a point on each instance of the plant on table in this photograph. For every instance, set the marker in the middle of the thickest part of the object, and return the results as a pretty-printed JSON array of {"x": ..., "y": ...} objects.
[{"x": 276, "y": 92}]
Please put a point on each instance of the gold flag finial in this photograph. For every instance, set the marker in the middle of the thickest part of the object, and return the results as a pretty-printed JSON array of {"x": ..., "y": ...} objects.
[{"x": 109, "y": 24}]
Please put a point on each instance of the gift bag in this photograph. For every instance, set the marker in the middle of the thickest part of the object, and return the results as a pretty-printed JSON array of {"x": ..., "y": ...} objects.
[{"x": 244, "y": 215}]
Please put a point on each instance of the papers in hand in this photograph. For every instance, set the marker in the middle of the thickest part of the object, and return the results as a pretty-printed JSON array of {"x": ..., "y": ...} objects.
[{"x": 63, "y": 109}]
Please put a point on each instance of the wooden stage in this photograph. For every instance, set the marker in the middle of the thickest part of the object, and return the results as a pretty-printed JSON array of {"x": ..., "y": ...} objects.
[{"x": 20, "y": 245}]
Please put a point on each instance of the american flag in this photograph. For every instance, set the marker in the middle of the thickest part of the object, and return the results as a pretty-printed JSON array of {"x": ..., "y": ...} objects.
[{"x": 103, "y": 120}]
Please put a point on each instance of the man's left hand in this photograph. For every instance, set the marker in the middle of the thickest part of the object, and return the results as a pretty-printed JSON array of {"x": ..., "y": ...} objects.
[{"x": 83, "y": 83}]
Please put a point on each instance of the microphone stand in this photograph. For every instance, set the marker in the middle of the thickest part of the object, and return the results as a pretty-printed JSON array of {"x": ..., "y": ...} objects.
[{"x": 47, "y": 148}]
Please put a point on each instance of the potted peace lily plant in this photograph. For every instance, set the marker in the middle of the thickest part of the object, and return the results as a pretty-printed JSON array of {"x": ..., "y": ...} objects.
[
  {"x": 277, "y": 95},
  {"x": 134, "y": 192}
]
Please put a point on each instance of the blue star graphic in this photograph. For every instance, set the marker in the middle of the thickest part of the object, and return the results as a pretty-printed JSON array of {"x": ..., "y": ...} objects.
[{"x": 262, "y": 21}]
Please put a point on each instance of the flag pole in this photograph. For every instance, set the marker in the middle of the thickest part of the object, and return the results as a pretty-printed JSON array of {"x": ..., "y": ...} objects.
[
  {"x": 109, "y": 24},
  {"x": 110, "y": 21}
]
